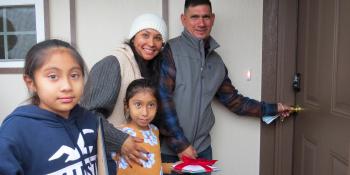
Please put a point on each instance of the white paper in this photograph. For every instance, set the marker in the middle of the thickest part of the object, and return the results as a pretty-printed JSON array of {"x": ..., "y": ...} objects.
[
  {"x": 269, "y": 119},
  {"x": 196, "y": 169}
]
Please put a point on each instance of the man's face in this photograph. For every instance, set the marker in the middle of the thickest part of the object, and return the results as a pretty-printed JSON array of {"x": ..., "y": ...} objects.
[{"x": 198, "y": 20}]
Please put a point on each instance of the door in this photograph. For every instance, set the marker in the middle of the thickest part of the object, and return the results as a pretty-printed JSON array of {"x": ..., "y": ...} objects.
[{"x": 322, "y": 131}]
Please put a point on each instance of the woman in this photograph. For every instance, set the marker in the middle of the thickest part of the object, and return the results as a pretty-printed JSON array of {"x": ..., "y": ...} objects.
[
  {"x": 139, "y": 57},
  {"x": 136, "y": 58}
]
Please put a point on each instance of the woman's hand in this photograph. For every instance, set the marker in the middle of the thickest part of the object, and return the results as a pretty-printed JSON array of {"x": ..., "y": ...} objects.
[{"x": 132, "y": 151}]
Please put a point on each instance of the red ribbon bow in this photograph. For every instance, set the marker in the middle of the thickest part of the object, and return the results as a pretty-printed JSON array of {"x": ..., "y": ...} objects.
[{"x": 201, "y": 162}]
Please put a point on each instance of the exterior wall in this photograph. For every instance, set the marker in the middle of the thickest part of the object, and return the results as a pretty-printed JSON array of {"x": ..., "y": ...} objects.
[
  {"x": 238, "y": 29},
  {"x": 12, "y": 93},
  {"x": 102, "y": 24}
]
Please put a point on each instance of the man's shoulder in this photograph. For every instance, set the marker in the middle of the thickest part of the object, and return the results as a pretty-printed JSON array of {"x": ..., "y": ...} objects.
[{"x": 174, "y": 40}]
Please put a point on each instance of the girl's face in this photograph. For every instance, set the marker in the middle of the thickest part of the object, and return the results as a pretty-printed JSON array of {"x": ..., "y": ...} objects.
[
  {"x": 58, "y": 82},
  {"x": 148, "y": 43},
  {"x": 142, "y": 108}
]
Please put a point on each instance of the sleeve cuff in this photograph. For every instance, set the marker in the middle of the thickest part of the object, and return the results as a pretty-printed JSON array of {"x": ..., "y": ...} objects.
[
  {"x": 178, "y": 145},
  {"x": 114, "y": 138},
  {"x": 269, "y": 109}
]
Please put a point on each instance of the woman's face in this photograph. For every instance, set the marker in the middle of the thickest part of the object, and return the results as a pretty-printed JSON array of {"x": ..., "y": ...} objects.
[{"x": 148, "y": 43}]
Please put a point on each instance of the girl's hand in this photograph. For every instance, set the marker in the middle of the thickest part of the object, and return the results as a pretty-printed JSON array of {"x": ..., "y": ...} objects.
[{"x": 131, "y": 150}]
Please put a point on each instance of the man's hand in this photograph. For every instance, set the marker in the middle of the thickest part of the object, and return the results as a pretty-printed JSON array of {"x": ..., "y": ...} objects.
[
  {"x": 283, "y": 110},
  {"x": 188, "y": 152},
  {"x": 132, "y": 151}
]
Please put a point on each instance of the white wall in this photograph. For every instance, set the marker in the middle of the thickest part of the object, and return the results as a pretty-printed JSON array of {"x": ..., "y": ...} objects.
[
  {"x": 103, "y": 24},
  {"x": 238, "y": 28},
  {"x": 60, "y": 20},
  {"x": 12, "y": 93}
]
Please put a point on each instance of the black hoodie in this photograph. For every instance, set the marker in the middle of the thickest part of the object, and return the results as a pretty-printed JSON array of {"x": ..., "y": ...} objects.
[{"x": 37, "y": 141}]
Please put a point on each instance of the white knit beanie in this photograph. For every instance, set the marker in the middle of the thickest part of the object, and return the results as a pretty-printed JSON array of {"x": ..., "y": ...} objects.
[{"x": 149, "y": 21}]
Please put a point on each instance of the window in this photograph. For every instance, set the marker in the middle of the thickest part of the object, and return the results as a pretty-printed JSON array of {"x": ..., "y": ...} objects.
[{"x": 22, "y": 25}]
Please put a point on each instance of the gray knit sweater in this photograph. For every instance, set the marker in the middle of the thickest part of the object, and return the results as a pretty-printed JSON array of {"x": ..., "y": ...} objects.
[{"x": 100, "y": 97}]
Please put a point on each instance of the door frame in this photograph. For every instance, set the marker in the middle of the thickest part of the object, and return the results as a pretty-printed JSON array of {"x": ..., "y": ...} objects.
[{"x": 278, "y": 67}]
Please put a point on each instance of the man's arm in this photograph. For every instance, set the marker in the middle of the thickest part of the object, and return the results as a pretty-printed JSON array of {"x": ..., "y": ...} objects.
[
  {"x": 170, "y": 127},
  {"x": 241, "y": 105}
]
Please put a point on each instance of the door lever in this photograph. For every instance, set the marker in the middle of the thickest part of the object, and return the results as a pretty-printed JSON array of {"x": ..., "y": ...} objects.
[{"x": 296, "y": 109}]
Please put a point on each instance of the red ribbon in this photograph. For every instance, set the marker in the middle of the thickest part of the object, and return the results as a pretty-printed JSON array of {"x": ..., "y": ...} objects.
[{"x": 201, "y": 162}]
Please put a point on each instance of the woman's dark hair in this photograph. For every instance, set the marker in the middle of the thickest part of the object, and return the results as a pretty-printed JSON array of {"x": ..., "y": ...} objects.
[
  {"x": 140, "y": 85},
  {"x": 37, "y": 55},
  {"x": 149, "y": 69}
]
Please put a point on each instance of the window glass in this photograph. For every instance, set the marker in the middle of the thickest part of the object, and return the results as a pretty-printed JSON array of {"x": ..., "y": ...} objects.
[
  {"x": 2, "y": 49},
  {"x": 1, "y": 20},
  {"x": 21, "y": 45},
  {"x": 22, "y": 25},
  {"x": 20, "y": 18},
  {"x": 18, "y": 31}
]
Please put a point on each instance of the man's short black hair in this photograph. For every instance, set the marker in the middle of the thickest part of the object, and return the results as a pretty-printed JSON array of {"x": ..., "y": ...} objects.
[{"x": 192, "y": 3}]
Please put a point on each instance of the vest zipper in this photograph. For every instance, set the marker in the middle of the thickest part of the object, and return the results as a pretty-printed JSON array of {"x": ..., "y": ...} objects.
[{"x": 202, "y": 54}]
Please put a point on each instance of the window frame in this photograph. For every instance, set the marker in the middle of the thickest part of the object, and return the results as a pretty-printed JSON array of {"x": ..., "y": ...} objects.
[{"x": 41, "y": 32}]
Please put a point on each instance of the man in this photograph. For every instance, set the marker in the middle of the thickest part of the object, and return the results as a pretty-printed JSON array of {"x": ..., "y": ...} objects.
[{"x": 192, "y": 74}]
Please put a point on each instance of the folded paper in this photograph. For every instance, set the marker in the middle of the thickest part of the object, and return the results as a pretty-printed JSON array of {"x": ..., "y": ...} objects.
[
  {"x": 189, "y": 165},
  {"x": 269, "y": 119}
]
